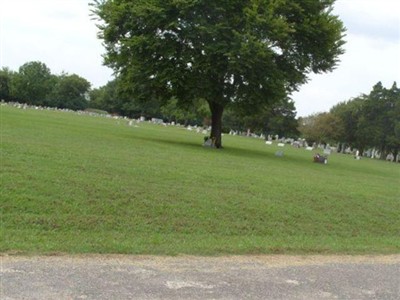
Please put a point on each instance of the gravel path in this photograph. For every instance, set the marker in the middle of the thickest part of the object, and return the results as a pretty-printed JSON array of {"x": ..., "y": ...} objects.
[{"x": 189, "y": 277}]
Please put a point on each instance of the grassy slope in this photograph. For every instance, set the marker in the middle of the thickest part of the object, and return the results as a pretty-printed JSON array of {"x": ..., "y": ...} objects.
[{"x": 80, "y": 184}]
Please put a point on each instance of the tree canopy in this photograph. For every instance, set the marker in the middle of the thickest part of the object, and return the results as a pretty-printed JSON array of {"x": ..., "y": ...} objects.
[{"x": 230, "y": 53}]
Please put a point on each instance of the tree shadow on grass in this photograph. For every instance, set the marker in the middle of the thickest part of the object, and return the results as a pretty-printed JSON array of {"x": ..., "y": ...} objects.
[
  {"x": 232, "y": 151},
  {"x": 226, "y": 150},
  {"x": 265, "y": 155},
  {"x": 178, "y": 143},
  {"x": 197, "y": 146}
]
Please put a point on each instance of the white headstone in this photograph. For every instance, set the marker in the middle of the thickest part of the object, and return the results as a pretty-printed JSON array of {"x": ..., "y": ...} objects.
[{"x": 327, "y": 151}]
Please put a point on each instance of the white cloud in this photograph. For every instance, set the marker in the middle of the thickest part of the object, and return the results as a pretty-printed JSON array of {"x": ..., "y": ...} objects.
[
  {"x": 59, "y": 33},
  {"x": 372, "y": 18},
  {"x": 372, "y": 55}
]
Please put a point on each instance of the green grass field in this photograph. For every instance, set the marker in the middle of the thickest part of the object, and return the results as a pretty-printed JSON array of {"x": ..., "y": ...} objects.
[{"x": 80, "y": 184}]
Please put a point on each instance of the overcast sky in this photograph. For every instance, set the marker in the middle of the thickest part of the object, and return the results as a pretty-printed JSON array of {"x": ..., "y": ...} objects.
[{"x": 61, "y": 34}]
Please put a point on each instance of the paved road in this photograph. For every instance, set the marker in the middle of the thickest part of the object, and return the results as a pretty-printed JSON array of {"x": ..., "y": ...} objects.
[{"x": 187, "y": 277}]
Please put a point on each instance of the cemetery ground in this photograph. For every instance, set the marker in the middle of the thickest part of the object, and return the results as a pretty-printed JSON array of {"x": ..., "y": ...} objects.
[{"x": 74, "y": 183}]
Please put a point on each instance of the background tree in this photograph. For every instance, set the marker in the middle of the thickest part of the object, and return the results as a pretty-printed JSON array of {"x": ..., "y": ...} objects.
[
  {"x": 114, "y": 99},
  {"x": 393, "y": 114},
  {"x": 282, "y": 120},
  {"x": 250, "y": 53},
  {"x": 70, "y": 91},
  {"x": 307, "y": 128},
  {"x": 4, "y": 86},
  {"x": 371, "y": 121},
  {"x": 194, "y": 115},
  {"x": 7, "y": 82},
  {"x": 349, "y": 114},
  {"x": 379, "y": 119},
  {"x": 107, "y": 98},
  {"x": 33, "y": 83},
  {"x": 95, "y": 98},
  {"x": 322, "y": 128},
  {"x": 279, "y": 118}
]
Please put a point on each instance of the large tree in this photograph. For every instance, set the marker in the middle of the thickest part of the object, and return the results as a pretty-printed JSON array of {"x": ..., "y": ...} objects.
[{"x": 247, "y": 52}]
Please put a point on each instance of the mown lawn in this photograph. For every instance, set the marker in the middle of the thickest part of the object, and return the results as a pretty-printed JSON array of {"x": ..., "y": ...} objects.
[{"x": 82, "y": 184}]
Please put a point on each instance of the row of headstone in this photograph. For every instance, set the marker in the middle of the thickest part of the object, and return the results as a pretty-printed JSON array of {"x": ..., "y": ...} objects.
[
  {"x": 300, "y": 143},
  {"x": 79, "y": 112},
  {"x": 370, "y": 153},
  {"x": 390, "y": 157},
  {"x": 328, "y": 150},
  {"x": 157, "y": 121},
  {"x": 246, "y": 133}
]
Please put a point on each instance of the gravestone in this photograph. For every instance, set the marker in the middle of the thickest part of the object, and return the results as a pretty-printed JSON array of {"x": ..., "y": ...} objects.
[
  {"x": 327, "y": 151},
  {"x": 156, "y": 121}
]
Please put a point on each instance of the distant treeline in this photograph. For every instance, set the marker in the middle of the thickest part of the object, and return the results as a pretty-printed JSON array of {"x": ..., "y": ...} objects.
[
  {"x": 35, "y": 85},
  {"x": 367, "y": 121}
]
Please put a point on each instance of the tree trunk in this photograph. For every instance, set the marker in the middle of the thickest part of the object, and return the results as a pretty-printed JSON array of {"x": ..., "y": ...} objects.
[
  {"x": 343, "y": 149},
  {"x": 216, "y": 123},
  {"x": 383, "y": 153},
  {"x": 395, "y": 154}
]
